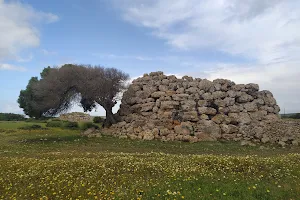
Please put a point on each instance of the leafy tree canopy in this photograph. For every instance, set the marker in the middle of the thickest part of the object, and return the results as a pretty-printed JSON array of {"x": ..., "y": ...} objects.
[
  {"x": 59, "y": 87},
  {"x": 26, "y": 99}
]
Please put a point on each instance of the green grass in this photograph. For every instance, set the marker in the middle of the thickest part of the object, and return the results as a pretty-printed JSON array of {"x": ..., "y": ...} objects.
[
  {"x": 60, "y": 164},
  {"x": 15, "y": 124}
]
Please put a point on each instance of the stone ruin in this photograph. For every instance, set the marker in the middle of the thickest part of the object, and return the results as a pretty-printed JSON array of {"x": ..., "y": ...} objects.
[
  {"x": 76, "y": 117},
  {"x": 168, "y": 108}
]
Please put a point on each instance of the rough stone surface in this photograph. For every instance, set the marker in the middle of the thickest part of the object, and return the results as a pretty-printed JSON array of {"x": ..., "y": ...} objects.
[
  {"x": 167, "y": 108},
  {"x": 76, "y": 117},
  {"x": 91, "y": 132}
]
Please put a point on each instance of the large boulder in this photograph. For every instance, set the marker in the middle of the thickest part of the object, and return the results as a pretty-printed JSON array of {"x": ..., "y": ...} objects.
[
  {"x": 157, "y": 94},
  {"x": 188, "y": 105},
  {"x": 165, "y": 105},
  {"x": 205, "y": 85},
  {"x": 244, "y": 98},
  {"x": 185, "y": 128},
  {"x": 207, "y": 110},
  {"x": 210, "y": 128},
  {"x": 148, "y": 135},
  {"x": 147, "y": 106}
]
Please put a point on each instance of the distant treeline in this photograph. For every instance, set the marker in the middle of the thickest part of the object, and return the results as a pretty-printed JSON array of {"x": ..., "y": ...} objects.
[
  {"x": 292, "y": 116},
  {"x": 11, "y": 117}
]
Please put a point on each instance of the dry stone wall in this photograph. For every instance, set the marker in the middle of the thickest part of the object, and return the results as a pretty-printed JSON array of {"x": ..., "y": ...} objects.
[
  {"x": 76, "y": 117},
  {"x": 167, "y": 108}
]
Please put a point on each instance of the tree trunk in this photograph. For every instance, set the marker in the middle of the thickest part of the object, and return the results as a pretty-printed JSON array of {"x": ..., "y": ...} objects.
[{"x": 110, "y": 118}]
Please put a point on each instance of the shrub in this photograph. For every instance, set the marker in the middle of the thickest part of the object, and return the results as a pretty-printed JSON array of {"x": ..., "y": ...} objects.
[
  {"x": 296, "y": 116},
  {"x": 55, "y": 119},
  {"x": 11, "y": 117},
  {"x": 32, "y": 127},
  {"x": 98, "y": 119},
  {"x": 70, "y": 125},
  {"x": 35, "y": 126},
  {"x": 51, "y": 123},
  {"x": 62, "y": 124},
  {"x": 87, "y": 125},
  {"x": 291, "y": 116},
  {"x": 36, "y": 120}
]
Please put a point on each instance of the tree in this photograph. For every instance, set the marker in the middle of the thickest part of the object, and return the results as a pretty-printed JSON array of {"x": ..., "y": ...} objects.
[
  {"x": 56, "y": 90},
  {"x": 45, "y": 71},
  {"x": 26, "y": 99},
  {"x": 59, "y": 87},
  {"x": 104, "y": 84}
]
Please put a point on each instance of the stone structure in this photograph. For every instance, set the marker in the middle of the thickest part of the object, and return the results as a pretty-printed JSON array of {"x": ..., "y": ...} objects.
[
  {"x": 76, "y": 117},
  {"x": 163, "y": 107}
]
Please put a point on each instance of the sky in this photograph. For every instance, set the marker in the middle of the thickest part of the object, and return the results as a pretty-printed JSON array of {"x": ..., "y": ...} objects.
[{"x": 249, "y": 41}]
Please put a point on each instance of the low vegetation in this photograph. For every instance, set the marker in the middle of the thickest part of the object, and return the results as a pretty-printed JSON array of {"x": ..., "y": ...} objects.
[
  {"x": 11, "y": 117},
  {"x": 55, "y": 123},
  {"x": 70, "y": 125},
  {"x": 291, "y": 116},
  {"x": 56, "y": 163},
  {"x": 32, "y": 127},
  {"x": 87, "y": 125},
  {"x": 98, "y": 119}
]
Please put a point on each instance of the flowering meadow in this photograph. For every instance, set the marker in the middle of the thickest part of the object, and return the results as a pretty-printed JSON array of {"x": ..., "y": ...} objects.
[{"x": 60, "y": 164}]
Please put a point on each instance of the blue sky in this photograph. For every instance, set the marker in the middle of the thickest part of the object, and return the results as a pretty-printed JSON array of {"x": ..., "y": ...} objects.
[{"x": 245, "y": 41}]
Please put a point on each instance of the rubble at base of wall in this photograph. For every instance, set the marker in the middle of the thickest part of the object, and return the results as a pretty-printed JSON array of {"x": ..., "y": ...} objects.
[
  {"x": 167, "y": 108},
  {"x": 281, "y": 132}
]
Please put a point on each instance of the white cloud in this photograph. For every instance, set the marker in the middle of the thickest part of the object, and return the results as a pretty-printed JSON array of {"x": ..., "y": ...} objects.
[
  {"x": 115, "y": 56},
  {"x": 48, "y": 53},
  {"x": 11, "y": 67},
  {"x": 26, "y": 59},
  {"x": 47, "y": 17},
  {"x": 17, "y": 27},
  {"x": 260, "y": 29}
]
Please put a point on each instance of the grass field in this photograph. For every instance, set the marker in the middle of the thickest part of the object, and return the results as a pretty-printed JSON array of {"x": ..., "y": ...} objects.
[{"x": 58, "y": 163}]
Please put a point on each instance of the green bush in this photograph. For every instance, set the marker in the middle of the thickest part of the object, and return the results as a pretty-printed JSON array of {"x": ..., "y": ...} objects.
[
  {"x": 11, "y": 117},
  {"x": 36, "y": 120},
  {"x": 296, "y": 116},
  {"x": 87, "y": 125},
  {"x": 70, "y": 125},
  {"x": 32, "y": 127},
  {"x": 55, "y": 119},
  {"x": 291, "y": 116},
  {"x": 51, "y": 123},
  {"x": 98, "y": 119}
]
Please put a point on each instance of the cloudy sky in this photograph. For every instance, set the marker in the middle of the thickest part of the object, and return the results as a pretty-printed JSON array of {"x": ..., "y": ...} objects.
[{"x": 244, "y": 41}]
